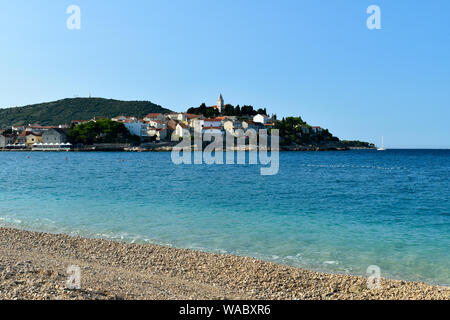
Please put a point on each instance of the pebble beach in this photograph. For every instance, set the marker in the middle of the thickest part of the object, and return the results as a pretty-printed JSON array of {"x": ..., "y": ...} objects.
[{"x": 33, "y": 266}]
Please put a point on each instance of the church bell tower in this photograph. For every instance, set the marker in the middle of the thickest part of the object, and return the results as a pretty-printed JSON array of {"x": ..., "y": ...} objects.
[{"x": 220, "y": 103}]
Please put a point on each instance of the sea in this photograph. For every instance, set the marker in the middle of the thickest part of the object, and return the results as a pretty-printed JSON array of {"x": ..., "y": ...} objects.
[{"x": 336, "y": 212}]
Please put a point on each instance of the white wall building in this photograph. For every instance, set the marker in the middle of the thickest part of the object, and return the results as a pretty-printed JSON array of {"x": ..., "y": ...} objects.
[
  {"x": 212, "y": 123},
  {"x": 177, "y": 116},
  {"x": 161, "y": 134},
  {"x": 261, "y": 118},
  {"x": 155, "y": 117},
  {"x": 181, "y": 129},
  {"x": 198, "y": 124},
  {"x": 157, "y": 124},
  {"x": 213, "y": 130},
  {"x": 231, "y": 126},
  {"x": 5, "y": 140},
  {"x": 137, "y": 128}
]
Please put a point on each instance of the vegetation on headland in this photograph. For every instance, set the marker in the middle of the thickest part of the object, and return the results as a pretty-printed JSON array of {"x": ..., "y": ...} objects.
[
  {"x": 357, "y": 144},
  {"x": 66, "y": 110},
  {"x": 293, "y": 130},
  {"x": 228, "y": 110},
  {"x": 101, "y": 131}
]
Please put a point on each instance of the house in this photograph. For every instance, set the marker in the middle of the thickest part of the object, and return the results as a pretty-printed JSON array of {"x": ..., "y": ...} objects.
[
  {"x": 304, "y": 129},
  {"x": 160, "y": 134},
  {"x": 213, "y": 130},
  {"x": 123, "y": 119},
  {"x": 216, "y": 122},
  {"x": 136, "y": 127},
  {"x": 36, "y": 128},
  {"x": 317, "y": 129},
  {"x": 246, "y": 125},
  {"x": 55, "y": 136},
  {"x": 197, "y": 124},
  {"x": 156, "y": 124},
  {"x": 155, "y": 117},
  {"x": 78, "y": 122},
  {"x": 181, "y": 130},
  {"x": 261, "y": 118},
  {"x": 181, "y": 117},
  {"x": 172, "y": 125},
  {"x": 231, "y": 126},
  {"x": 18, "y": 129},
  {"x": 191, "y": 119},
  {"x": 119, "y": 118},
  {"x": 29, "y": 138},
  {"x": 6, "y": 140}
]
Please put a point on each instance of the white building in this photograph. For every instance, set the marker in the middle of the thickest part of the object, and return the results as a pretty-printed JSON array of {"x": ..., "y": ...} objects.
[
  {"x": 160, "y": 134},
  {"x": 136, "y": 128},
  {"x": 5, "y": 140},
  {"x": 157, "y": 124},
  {"x": 155, "y": 117},
  {"x": 231, "y": 126},
  {"x": 216, "y": 122},
  {"x": 181, "y": 130},
  {"x": 213, "y": 130},
  {"x": 198, "y": 124},
  {"x": 261, "y": 118},
  {"x": 120, "y": 119},
  {"x": 177, "y": 116},
  {"x": 246, "y": 125}
]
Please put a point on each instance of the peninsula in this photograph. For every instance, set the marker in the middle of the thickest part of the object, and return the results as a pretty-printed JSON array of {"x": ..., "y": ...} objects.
[{"x": 93, "y": 124}]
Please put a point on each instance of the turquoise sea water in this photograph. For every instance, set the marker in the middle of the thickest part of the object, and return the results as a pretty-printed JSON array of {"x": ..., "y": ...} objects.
[{"x": 329, "y": 211}]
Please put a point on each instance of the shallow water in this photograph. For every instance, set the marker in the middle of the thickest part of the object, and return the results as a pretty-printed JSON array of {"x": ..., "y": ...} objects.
[{"x": 328, "y": 211}]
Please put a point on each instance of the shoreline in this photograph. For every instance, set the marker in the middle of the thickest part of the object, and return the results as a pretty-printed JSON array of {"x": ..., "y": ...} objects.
[
  {"x": 169, "y": 149},
  {"x": 33, "y": 265}
]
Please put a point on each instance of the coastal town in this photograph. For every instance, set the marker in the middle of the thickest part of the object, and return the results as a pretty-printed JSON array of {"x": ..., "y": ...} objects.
[{"x": 161, "y": 131}]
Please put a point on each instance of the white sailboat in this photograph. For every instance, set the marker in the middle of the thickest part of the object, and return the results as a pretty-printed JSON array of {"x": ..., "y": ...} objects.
[{"x": 382, "y": 148}]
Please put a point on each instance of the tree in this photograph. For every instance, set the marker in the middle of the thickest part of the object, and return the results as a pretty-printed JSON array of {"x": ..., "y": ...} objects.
[
  {"x": 101, "y": 131},
  {"x": 229, "y": 110},
  {"x": 262, "y": 111},
  {"x": 7, "y": 132}
]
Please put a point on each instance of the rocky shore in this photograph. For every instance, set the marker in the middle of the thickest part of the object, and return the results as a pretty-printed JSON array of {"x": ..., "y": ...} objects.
[{"x": 34, "y": 266}]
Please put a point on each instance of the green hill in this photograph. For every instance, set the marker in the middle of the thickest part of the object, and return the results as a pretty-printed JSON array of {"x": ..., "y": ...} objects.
[{"x": 66, "y": 110}]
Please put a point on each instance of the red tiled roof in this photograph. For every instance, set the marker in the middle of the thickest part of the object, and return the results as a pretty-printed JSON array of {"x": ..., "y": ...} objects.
[
  {"x": 28, "y": 133},
  {"x": 215, "y": 119},
  {"x": 192, "y": 116},
  {"x": 41, "y": 127},
  {"x": 153, "y": 115}
]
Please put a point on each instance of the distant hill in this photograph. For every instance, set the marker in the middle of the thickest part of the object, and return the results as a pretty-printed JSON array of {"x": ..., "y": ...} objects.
[{"x": 66, "y": 110}]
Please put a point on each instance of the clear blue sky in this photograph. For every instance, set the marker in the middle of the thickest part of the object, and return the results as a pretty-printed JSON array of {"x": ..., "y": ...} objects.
[{"x": 314, "y": 59}]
